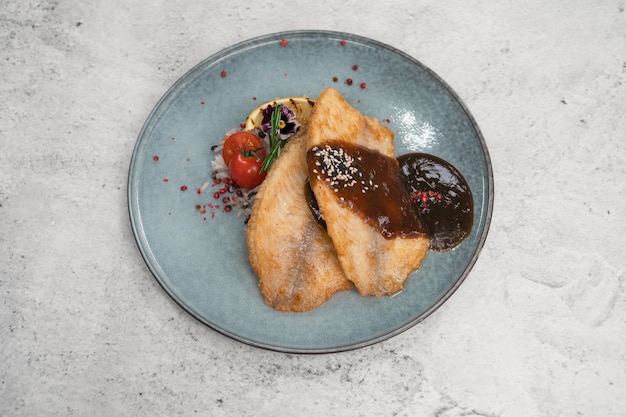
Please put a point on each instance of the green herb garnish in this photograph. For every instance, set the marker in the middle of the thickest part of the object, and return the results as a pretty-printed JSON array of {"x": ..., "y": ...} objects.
[{"x": 276, "y": 144}]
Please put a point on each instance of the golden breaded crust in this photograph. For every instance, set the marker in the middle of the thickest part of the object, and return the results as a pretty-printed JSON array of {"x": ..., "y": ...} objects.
[
  {"x": 290, "y": 252},
  {"x": 377, "y": 265}
]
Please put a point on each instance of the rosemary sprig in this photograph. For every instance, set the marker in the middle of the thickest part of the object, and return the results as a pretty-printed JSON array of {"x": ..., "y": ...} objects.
[{"x": 276, "y": 145}]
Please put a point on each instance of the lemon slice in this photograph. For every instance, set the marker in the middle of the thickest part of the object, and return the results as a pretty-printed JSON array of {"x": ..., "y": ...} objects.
[{"x": 302, "y": 106}]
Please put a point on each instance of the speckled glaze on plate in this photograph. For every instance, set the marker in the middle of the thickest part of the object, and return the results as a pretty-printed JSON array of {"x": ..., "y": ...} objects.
[{"x": 201, "y": 261}]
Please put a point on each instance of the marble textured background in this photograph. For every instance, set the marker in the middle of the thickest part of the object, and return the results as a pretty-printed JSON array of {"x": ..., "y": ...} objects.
[{"x": 537, "y": 329}]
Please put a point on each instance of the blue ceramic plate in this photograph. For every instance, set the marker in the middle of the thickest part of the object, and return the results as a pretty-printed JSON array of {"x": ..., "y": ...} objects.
[{"x": 200, "y": 258}]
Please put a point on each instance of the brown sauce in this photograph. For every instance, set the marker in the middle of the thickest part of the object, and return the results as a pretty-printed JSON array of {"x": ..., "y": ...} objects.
[
  {"x": 369, "y": 183},
  {"x": 441, "y": 196},
  {"x": 312, "y": 202}
]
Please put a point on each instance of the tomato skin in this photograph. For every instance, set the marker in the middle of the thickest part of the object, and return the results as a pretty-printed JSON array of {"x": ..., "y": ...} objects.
[
  {"x": 246, "y": 141},
  {"x": 245, "y": 170}
]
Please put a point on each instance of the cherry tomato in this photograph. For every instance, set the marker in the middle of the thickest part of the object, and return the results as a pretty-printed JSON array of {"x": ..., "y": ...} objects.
[
  {"x": 245, "y": 168},
  {"x": 246, "y": 141}
]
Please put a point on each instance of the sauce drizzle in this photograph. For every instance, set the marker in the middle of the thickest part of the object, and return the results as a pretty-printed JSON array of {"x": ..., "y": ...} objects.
[{"x": 369, "y": 183}]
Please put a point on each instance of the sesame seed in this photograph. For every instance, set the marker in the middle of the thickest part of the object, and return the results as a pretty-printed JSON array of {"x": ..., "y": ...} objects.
[{"x": 341, "y": 169}]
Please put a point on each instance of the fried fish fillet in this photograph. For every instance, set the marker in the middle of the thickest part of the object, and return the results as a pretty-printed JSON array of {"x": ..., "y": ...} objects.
[
  {"x": 290, "y": 252},
  {"x": 377, "y": 264}
]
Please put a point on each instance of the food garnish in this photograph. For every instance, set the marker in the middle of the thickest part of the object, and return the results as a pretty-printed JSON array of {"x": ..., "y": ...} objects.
[
  {"x": 244, "y": 157},
  {"x": 246, "y": 167},
  {"x": 239, "y": 141},
  {"x": 279, "y": 120},
  {"x": 301, "y": 106}
]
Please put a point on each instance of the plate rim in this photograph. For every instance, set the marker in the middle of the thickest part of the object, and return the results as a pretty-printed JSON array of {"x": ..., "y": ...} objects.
[{"x": 227, "y": 51}]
